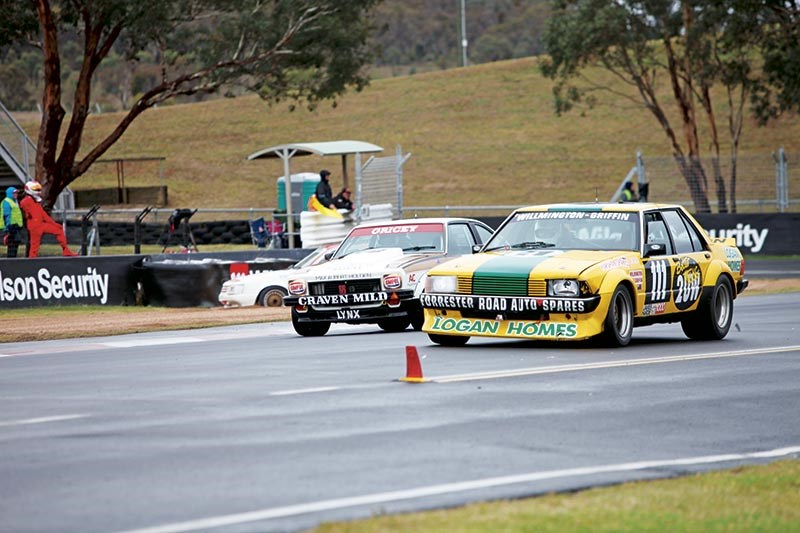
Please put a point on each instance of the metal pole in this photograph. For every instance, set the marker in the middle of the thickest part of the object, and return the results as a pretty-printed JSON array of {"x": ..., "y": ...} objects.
[
  {"x": 287, "y": 184},
  {"x": 463, "y": 35},
  {"x": 358, "y": 187}
]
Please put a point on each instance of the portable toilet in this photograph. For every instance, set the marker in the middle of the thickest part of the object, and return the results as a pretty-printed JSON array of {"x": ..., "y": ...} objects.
[{"x": 304, "y": 185}]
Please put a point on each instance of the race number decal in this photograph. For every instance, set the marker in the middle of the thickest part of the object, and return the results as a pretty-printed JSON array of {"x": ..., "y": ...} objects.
[
  {"x": 657, "y": 281},
  {"x": 688, "y": 282}
]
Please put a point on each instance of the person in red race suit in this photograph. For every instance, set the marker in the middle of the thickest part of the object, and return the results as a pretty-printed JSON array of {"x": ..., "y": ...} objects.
[{"x": 39, "y": 222}]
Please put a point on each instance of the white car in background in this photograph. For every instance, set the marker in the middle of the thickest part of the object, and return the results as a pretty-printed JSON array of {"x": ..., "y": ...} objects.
[
  {"x": 268, "y": 287},
  {"x": 378, "y": 272}
]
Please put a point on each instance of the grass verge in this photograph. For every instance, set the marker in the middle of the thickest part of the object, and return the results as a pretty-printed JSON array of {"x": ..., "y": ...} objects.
[{"x": 763, "y": 498}]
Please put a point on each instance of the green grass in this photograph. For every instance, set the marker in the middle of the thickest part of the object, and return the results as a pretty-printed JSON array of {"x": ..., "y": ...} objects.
[
  {"x": 480, "y": 135},
  {"x": 762, "y": 498}
]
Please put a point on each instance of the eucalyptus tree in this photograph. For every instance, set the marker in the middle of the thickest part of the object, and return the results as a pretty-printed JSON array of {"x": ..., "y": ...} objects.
[
  {"x": 304, "y": 50},
  {"x": 693, "y": 46}
]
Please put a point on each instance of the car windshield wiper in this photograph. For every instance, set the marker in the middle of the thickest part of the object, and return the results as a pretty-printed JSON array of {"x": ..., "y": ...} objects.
[
  {"x": 418, "y": 248},
  {"x": 533, "y": 244}
]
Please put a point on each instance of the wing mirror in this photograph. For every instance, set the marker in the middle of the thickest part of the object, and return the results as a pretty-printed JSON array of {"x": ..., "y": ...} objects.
[
  {"x": 328, "y": 255},
  {"x": 655, "y": 248},
  {"x": 476, "y": 248}
]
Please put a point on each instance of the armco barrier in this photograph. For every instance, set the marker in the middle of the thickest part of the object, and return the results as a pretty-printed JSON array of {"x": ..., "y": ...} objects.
[{"x": 170, "y": 280}]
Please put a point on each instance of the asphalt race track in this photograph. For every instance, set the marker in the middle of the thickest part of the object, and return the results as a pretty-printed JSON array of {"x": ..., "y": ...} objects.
[{"x": 253, "y": 428}]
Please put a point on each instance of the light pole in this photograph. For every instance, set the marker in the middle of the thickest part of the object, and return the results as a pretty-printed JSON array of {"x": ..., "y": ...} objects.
[{"x": 463, "y": 35}]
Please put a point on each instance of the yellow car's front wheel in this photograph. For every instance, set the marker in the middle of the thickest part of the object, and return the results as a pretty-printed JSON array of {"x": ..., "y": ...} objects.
[{"x": 618, "y": 327}]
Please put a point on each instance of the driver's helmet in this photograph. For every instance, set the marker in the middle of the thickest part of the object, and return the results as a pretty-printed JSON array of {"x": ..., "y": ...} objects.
[
  {"x": 34, "y": 189},
  {"x": 546, "y": 230}
]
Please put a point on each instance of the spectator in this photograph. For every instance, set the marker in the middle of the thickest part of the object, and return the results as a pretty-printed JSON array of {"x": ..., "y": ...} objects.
[
  {"x": 11, "y": 222},
  {"x": 324, "y": 193},
  {"x": 627, "y": 193},
  {"x": 342, "y": 200},
  {"x": 39, "y": 222}
]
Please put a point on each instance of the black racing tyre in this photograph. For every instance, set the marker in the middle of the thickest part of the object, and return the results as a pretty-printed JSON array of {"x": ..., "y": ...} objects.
[
  {"x": 394, "y": 325},
  {"x": 449, "y": 340},
  {"x": 417, "y": 317},
  {"x": 271, "y": 297},
  {"x": 618, "y": 326},
  {"x": 309, "y": 329},
  {"x": 713, "y": 317}
]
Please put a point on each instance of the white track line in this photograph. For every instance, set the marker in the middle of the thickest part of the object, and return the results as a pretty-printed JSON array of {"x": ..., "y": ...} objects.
[
  {"x": 607, "y": 364},
  {"x": 303, "y": 391},
  {"x": 449, "y": 488},
  {"x": 41, "y": 420}
]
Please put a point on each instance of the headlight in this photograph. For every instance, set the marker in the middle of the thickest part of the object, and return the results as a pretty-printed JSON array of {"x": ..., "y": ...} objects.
[
  {"x": 392, "y": 281},
  {"x": 297, "y": 287},
  {"x": 447, "y": 284},
  {"x": 562, "y": 287}
]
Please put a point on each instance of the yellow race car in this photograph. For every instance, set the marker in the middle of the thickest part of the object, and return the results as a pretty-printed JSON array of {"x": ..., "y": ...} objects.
[{"x": 577, "y": 271}]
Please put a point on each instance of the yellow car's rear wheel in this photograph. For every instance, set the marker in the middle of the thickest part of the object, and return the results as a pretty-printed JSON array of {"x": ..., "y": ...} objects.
[{"x": 714, "y": 314}]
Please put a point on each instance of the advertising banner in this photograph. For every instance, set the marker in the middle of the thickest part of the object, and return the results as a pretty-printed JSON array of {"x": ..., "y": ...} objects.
[{"x": 67, "y": 281}]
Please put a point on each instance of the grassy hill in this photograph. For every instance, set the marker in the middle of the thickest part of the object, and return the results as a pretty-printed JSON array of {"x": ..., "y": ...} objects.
[{"x": 479, "y": 135}]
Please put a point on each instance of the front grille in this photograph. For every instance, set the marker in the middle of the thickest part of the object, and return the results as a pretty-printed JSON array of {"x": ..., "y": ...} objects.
[
  {"x": 350, "y": 286},
  {"x": 500, "y": 285},
  {"x": 537, "y": 287},
  {"x": 464, "y": 285}
]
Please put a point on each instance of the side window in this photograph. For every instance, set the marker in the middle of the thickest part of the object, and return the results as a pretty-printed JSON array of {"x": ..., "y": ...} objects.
[
  {"x": 459, "y": 239},
  {"x": 657, "y": 231},
  {"x": 483, "y": 233},
  {"x": 680, "y": 235},
  {"x": 694, "y": 233}
]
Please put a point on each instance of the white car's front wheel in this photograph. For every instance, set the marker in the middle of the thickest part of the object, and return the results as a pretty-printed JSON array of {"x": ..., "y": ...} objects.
[{"x": 271, "y": 297}]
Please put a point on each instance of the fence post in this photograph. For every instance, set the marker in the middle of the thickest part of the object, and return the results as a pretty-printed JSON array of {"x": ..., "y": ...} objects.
[
  {"x": 137, "y": 230},
  {"x": 781, "y": 181}
]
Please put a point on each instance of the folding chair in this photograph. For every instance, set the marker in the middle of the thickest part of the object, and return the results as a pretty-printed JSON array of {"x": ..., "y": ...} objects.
[
  {"x": 275, "y": 230},
  {"x": 258, "y": 232}
]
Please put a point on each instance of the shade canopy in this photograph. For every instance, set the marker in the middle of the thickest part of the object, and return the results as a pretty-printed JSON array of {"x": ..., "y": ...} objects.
[{"x": 319, "y": 148}]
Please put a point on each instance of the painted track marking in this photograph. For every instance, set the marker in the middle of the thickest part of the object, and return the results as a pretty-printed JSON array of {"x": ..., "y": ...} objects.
[
  {"x": 40, "y": 420},
  {"x": 449, "y": 488},
  {"x": 496, "y": 374}
]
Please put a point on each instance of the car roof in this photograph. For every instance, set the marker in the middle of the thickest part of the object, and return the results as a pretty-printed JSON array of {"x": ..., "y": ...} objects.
[
  {"x": 429, "y": 220},
  {"x": 634, "y": 207}
]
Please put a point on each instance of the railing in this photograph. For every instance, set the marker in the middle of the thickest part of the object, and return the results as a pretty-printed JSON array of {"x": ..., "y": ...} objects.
[{"x": 16, "y": 142}]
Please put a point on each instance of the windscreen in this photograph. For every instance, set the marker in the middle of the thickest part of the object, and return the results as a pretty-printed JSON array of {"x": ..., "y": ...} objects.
[
  {"x": 411, "y": 238},
  {"x": 569, "y": 230}
]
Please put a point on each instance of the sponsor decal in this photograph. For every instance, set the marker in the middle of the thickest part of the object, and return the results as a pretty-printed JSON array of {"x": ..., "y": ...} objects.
[
  {"x": 637, "y": 276},
  {"x": 549, "y": 215},
  {"x": 343, "y": 276},
  {"x": 512, "y": 328},
  {"x": 653, "y": 309},
  {"x": 343, "y": 299},
  {"x": 619, "y": 262},
  {"x": 399, "y": 228},
  {"x": 46, "y": 286},
  {"x": 348, "y": 314},
  {"x": 687, "y": 283},
  {"x": 734, "y": 258},
  {"x": 746, "y": 237},
  {"x": 503, "y": 303}
]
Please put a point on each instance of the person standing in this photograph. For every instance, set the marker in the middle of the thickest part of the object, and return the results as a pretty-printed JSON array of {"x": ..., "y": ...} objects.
[
  {"x": 39, "y": 222},
  {"x": 324, "y": 193},
  {"x": 627, "y": 193},
  {"x": 11, "y": 222}
]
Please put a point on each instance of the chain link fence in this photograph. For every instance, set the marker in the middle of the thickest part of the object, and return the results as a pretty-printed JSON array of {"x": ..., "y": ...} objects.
[{"x": 761, "y": 183}]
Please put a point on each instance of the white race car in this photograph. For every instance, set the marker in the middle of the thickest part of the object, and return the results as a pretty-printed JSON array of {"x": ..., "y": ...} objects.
[
  {"x": 268, "y": 287},
  {"x": 377, "y": 273}
]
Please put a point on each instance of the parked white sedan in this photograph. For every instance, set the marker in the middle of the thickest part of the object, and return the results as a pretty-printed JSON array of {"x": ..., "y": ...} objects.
[{"x": 268, "y": 287}]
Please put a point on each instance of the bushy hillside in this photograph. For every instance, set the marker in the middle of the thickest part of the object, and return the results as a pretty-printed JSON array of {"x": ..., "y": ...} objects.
[{"x": 479, "y": 135}]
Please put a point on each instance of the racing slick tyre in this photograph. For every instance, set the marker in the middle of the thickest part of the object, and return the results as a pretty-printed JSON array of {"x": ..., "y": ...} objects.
[
  {"x": 309, "y": 329},
  {"x": 714, "y": 314},
  {"x": 394, "y": 325},
  {"x": 271, "y": 297},
  {"x": 448, "y": 340},
  {"x": 618, "y": 326}
]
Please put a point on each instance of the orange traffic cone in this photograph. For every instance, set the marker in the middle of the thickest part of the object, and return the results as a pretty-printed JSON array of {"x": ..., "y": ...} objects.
[{"x": 413, "y": 366}]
